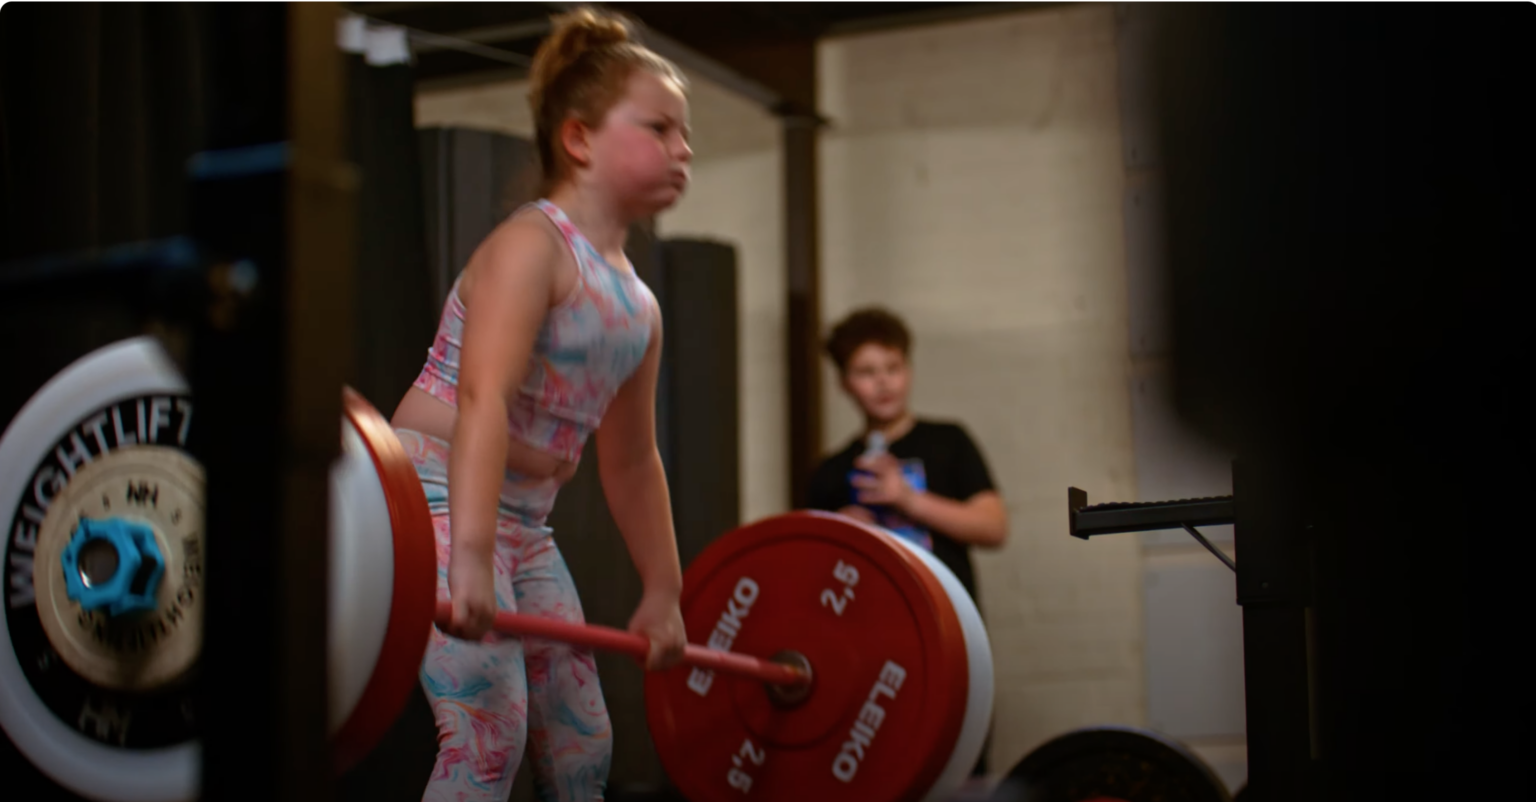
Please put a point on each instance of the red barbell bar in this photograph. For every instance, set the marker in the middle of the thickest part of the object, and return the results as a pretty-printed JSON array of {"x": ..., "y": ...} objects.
[{"x": 636, "y": 646}]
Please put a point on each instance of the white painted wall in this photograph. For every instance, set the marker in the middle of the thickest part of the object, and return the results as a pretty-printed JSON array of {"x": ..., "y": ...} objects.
[
  {"x": 972, "y": 181},
  {"x": 500, "y": 106}
]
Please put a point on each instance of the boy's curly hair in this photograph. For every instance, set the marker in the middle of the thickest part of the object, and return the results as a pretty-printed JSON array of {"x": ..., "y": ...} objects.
[{"x": 863, "y": 326}]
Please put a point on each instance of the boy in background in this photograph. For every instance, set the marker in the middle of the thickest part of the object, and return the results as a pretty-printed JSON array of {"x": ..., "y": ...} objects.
[{"x": 924, "y": 480}]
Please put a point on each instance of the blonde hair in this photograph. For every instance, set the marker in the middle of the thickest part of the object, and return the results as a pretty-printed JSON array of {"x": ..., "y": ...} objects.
[{"x": 581, "y": 70}]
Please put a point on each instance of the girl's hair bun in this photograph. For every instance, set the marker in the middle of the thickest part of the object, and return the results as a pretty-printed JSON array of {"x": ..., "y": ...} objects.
[{"x": 574, "y": 34}]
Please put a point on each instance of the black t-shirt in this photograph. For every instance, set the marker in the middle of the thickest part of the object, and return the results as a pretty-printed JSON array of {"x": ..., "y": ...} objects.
[{"x": 940, "y": 454}]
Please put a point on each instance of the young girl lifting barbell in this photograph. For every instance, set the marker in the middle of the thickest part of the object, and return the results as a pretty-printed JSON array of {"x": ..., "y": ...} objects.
[{"x": 547, "y": 337}]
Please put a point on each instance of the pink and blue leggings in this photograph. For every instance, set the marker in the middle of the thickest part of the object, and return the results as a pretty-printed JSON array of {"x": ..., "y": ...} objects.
[{"x": 494, "y": 697}]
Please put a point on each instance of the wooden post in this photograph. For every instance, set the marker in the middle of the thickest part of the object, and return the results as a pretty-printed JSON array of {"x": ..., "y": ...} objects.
[
  {"x": 801, "y": 258},
  {"x": 273, "y": 219}
]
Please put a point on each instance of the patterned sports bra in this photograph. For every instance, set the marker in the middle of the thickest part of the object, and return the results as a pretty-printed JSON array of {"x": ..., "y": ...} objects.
[{"x": 589, "y": 345}]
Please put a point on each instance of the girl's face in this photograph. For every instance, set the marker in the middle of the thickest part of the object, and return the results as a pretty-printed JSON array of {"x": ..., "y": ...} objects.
[
  {"x": 640, "y": 152},
  {"x": 878, "y": 378}
]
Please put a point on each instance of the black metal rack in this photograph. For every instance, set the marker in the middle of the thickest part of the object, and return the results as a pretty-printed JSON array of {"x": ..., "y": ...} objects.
[
  {"x": 1141, "y": 516},
  {"x": 1274, "y": 590}
]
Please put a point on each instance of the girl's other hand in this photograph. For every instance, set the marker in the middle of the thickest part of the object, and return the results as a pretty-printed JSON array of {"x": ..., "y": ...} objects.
[
  {"x": 472, "y": 591},
  {"x": 659, "y": 620}
]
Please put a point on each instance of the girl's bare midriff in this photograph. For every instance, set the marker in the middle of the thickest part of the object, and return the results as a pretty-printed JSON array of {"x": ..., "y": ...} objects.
[{"x": 420, "y": 411}]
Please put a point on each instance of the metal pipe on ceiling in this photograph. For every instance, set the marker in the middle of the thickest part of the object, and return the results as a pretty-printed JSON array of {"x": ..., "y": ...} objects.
[{"x": 517, "y": 31}]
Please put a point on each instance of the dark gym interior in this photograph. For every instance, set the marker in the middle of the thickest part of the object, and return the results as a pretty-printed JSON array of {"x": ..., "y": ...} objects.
[{"x": 1338, "y": 288}]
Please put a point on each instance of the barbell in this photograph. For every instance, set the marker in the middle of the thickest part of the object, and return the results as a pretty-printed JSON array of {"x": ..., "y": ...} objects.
[
  {"x": 786, "y": 676},
  {"x": 874, "y": 680}
]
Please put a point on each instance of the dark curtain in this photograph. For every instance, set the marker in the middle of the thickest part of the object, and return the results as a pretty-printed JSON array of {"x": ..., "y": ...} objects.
[
  {"x": 395, "y": 313},
  {"x": 100, "y": 107}
]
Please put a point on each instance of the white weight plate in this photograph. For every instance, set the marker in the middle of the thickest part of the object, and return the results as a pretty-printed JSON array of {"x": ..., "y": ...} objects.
[
  {"x": 60, "y": 423},
  {"x": 362, "y": 574},
  {"x": 144, "y": 653},
  {"x": 978, "y": 699},
  {"x": 401, "y": 591}
]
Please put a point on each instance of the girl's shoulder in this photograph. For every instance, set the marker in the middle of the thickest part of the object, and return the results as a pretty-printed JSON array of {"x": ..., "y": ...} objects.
[
  {"x": 530, "y": 225},
  {"x": 526, "y": 242}
]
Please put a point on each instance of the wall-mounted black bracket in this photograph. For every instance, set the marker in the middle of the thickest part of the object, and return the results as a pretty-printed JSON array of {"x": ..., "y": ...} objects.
[{"x": 1141, "y": 516}]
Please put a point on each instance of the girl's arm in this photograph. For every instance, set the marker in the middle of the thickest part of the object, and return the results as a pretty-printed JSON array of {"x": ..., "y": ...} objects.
[
  {"x": 632, "y": 476},
  {"x": 636, "y": 487},
  {"x": 513, "y": 275}
]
